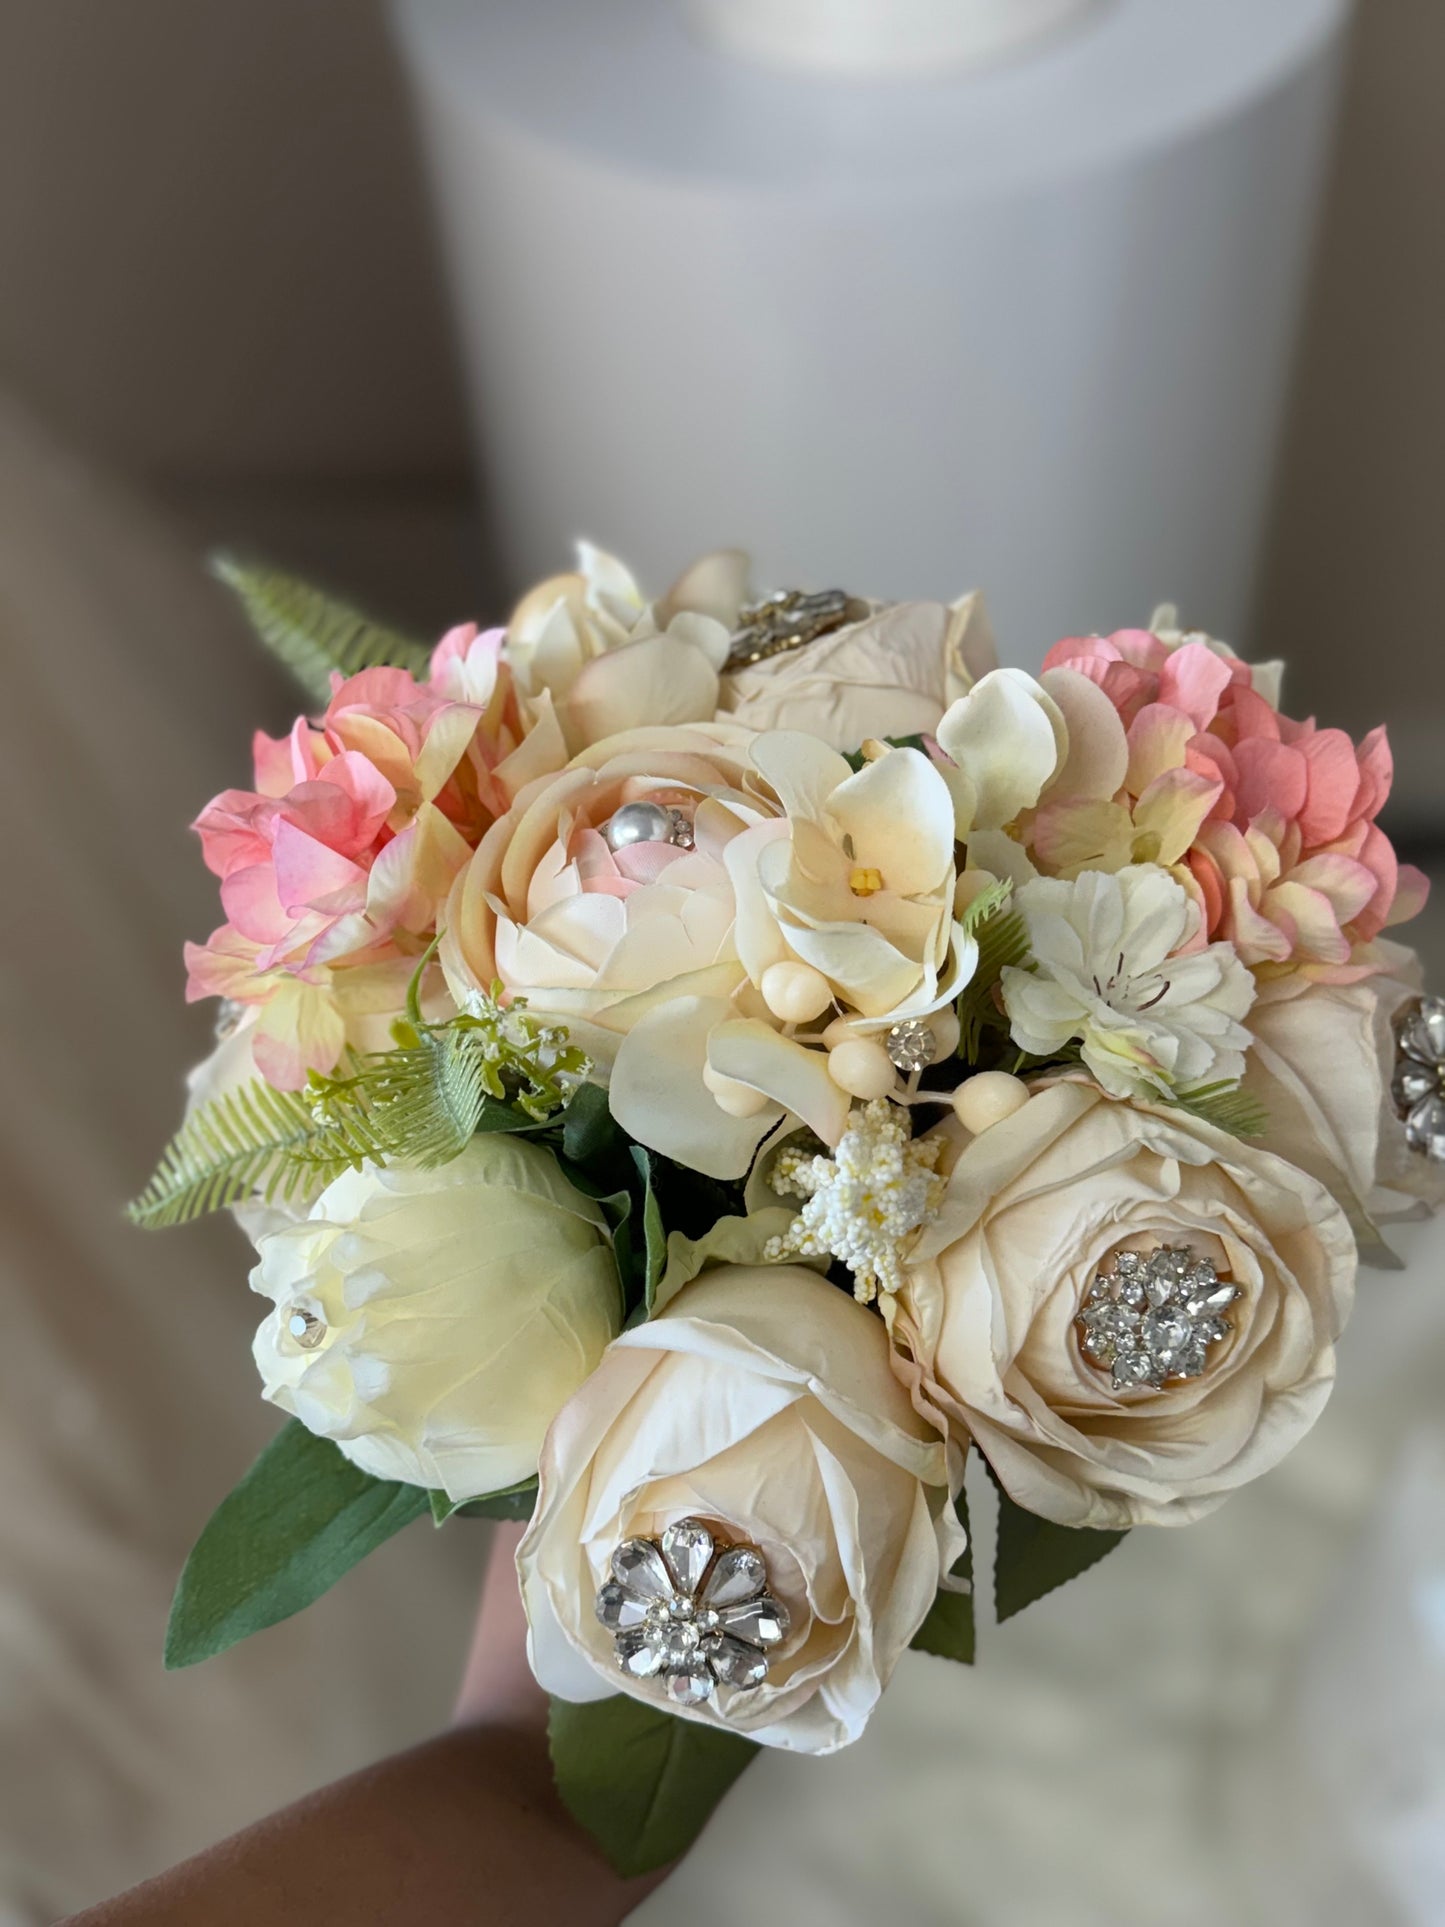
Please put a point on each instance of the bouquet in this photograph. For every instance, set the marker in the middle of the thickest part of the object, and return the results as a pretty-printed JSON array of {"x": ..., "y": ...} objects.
[{"x": 696, "y": 1071}]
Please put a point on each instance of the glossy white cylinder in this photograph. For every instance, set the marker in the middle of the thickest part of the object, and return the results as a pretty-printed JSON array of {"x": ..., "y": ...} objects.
[
  {"x": 874, "y": 37},
  {"x": 1026, "y": 328}
]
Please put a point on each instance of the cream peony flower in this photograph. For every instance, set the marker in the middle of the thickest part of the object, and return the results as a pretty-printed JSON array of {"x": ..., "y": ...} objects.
[
  {"x": 761, "y": 1400},
  {"x": 1320, "y": 1061},
  {"x": 612, "y": 662},
  {"x": 1118, "y": 970},
  {"x": 1035, "y": 1207},
  {"x": 433, "y": 1323},
  {"x": 892, "y": 674}
]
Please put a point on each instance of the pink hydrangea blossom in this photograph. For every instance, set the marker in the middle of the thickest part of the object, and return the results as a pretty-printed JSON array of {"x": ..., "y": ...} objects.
[
  {"x": 1271, "y": 823},
  {"x": 333, "y": 867}
]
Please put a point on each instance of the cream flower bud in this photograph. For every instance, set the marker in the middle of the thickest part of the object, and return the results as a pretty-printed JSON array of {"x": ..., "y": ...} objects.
[{"x": 434, "y": 1322}]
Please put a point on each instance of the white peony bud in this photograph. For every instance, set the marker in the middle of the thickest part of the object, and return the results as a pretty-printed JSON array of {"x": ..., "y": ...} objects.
[{"x": 434, "y": 1322}]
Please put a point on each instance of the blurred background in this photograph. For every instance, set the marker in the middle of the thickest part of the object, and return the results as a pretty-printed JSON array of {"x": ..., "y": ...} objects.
[{"x": 1086, "y": 305}]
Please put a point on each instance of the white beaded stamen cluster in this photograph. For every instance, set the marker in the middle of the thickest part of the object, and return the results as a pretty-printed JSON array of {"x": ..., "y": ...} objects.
[{"x": 866, "y": 1201}]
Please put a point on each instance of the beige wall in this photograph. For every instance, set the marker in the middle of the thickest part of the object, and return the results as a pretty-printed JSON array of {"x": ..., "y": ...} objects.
[{"x": 217, "y": 268}]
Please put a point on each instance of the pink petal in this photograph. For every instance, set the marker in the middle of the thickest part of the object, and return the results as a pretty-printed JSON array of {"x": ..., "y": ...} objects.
[
  {"x": 1193, "y": 679},
  {"x": 1411, "y": 894},
  {"x": 251, "y": 904},
  {"x": 312, "y": 876},
  {"x": 1334, "y": 784},
  {"x": 1271, "y": 777},
  {"x": 1377, "y": 774}
]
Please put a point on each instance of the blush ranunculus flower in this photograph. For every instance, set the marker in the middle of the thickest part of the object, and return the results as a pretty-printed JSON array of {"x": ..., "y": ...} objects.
[
  {"x": 1269, "y": 821},
  {"x": 341, "y": 855},
  {"x": 654, "y": 955},
  {"x": 433, "y": 1322},
  {"x": 1035, "y": 1207},
  {"x": 633, "y": 950},
  {"x": 1320, "y": 1062},
  {"x": 762, "y": 1400}
]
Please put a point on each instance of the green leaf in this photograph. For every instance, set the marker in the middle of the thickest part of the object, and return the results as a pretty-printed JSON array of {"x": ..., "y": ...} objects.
[
  {"x": 1035, "y": 1556},
  {"x": 1227, "y": 1106},
  {"x": 1003, "y": 942},
  {"x": 731, "y": 1241},
  {"x": 253, "y": 1141},
  {"x": 310, "y": 632},
  {"x": 654, "y": 1232},
  {"x": 302, "y": 1516},
  {"x": 516, "y": 1502},
  {"x": 642, "y": 1782},
  {"x": 590, "y": 1134},
  {"x": 949, "y": 1631}
]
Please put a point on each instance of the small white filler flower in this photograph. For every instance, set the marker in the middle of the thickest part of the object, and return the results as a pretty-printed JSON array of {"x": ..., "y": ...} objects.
[{"x": 866, "y": 1202}]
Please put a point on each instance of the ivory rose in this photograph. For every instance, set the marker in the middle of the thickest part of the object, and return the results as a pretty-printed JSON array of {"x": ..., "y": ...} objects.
[
  {"x": 892, "y": 674},
  {"x": 762, "y": 1400},
  {"x": 1320, "y": 1061},
  {"x": 433, "y": 1322},
  {"x": 1035, "y": 1207}
]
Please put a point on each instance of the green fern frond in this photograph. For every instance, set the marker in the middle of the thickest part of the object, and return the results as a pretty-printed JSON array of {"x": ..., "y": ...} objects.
[
  {"x": 422, "y": 1102},
  {"x": 1228, "y": 1107},
  {"x": 1003, "y": 943},
  {"x": 253, "y": 1142},
  {"x": 310, "y": 632}
]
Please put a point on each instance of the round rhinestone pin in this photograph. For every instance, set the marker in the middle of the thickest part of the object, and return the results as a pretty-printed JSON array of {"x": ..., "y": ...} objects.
[{"x": 911, "y": 1044}]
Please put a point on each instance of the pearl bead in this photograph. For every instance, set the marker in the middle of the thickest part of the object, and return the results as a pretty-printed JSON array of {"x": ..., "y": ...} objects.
[
  {"x": 988, "y": 1098},
  {"x": 944, "y": 1025},
  {"x": 795, "y": 992},
  {"x": 738, "y": 1100},
  {"x": 638, "y": 823},
  {"x": 840, "y": 1031},
  {"x": 862, "y": 1068}
]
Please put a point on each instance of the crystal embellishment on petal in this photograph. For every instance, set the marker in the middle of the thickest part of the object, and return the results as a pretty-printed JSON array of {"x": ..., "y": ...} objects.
[
  {"x": 1418, "y": 1087},
  {"x": 692, "y": 1612},
  {"x": 1151, "y": 1317},
  {"x": 304, "y": 1328},
  {"x": 911, "y": 1045}
]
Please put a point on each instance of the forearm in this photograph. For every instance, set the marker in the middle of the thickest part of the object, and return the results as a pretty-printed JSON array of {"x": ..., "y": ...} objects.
[{"x": 465, "y": 1829}]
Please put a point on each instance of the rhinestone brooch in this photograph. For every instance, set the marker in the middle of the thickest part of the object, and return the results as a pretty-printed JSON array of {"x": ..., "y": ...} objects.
[
  {"x": 691, "y": 1612},
  {"x": 789, "y": 620},
  {"x": 1152, "y": 1316},
  {"x": 1418, "y": 1086},
  {"x": 911, "y": 1044}
]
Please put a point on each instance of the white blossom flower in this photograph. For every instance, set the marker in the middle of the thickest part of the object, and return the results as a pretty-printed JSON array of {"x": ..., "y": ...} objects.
[
  {"x": 866, "y": 1202},
  {"x": 1115, "y": 970}
]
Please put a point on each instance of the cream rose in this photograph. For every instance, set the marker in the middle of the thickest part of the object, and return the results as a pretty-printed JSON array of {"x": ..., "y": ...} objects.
[
  {"x": 892, "y": 674},
  {"x": 1320, "y": 1063},
  {"x": 432, "y": 1323},
  {"x": 1035, "y": 1208},
  {"x": 761, "y": 1400}
]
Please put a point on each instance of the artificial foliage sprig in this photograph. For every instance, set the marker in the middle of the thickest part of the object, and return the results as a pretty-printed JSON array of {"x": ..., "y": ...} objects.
[
  {"x": 421, "y": 1102},
  {"x": 311, "y": 632}
]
